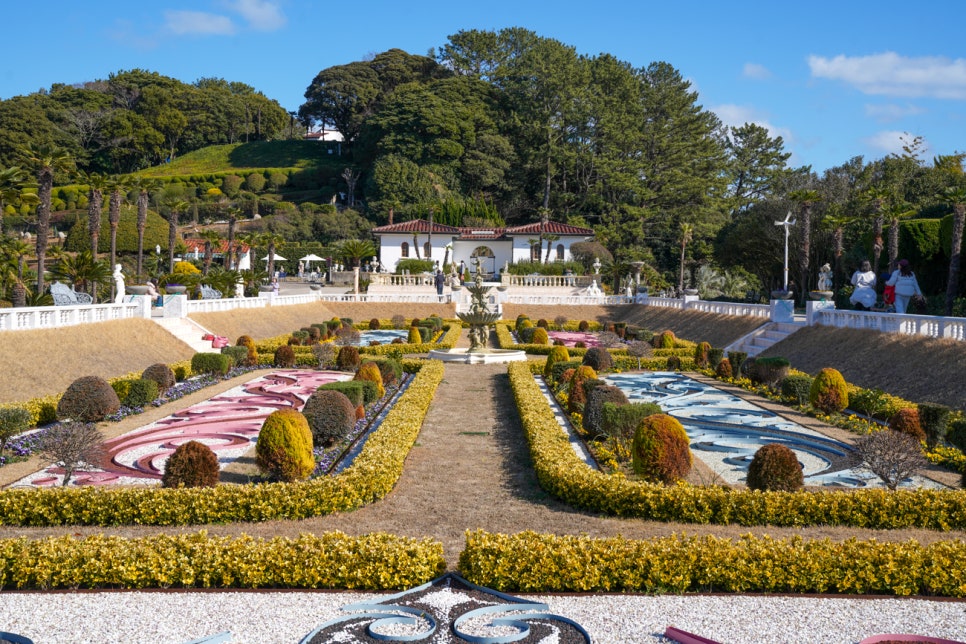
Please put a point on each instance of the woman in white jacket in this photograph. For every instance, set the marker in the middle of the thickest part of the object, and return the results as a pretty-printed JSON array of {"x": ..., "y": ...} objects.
[
  {"x": 863, "y": 296},
  {"x": 906, "y": 285}
]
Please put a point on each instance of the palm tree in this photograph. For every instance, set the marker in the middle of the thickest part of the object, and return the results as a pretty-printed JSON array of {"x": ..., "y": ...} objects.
[
  {"x": 12, "y": 182},
  {"x": 687, "y": 234},
  {"x": 96, "y": 184},
  {"x": 896, "y": 210},
  {"x": 48, "y": 160},
  {"x": 252, "y": 240},
  {"x": 118, "y": 187},
  {"x": 806, "y": 199},
  {"x": 837, "y": 221},
  {"x": 144, "y": 187},
  {"x": 230, "y": 259},
  {"x": 353, "y": 251},
  {"x": 956, "y": 197},
  {"x": 210, "y": 237},
  {"x": 81, "y": 270},
  {"x": 878, "y": 198},
  {"x": 550, "y": 240},
  {"x": 174, "y": 212},
  {"x": 17, "y": 250},
  {"x": 272, "y": 240}
]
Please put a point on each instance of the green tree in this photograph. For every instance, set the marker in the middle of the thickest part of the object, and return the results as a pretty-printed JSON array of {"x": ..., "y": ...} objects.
[
  {"x": 143, "y": 187},
  {"x": 48, "y": 161},
  {"x": 353, "y": 251},
  {"x": 118, "y": 186},
  {"x": 756, "y": 165},
  {"x": 12, "y": 183},
  {"x": 955, "y": 196},
  {"x": 805, "y": 199}
]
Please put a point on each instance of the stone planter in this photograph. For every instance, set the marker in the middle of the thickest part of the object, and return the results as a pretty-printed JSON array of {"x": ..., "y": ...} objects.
[
  {"x": 781, "y": 295},
  {"x": 137, "y": 289},
  {"x": 175, "y": 289},
  {"x": 820, "y": 295}
]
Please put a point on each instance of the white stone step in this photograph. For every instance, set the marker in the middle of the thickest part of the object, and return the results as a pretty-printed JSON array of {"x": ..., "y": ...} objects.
[{"x": 188, "y": 331}]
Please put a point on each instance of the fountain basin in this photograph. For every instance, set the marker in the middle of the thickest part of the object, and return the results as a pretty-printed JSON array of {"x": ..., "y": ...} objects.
[{"x": 489, "y": 356}]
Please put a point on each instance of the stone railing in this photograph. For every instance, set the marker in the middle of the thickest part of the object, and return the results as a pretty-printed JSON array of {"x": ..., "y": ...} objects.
[
  {"x": 933, "y": 326},
  {"x": 555, "y": 281},
  {"x": 52, "y": 317},
  {"x": 566, "y": 300},
  {"x": 401, "y": 281},
  {"x": 415, "y": 298}
]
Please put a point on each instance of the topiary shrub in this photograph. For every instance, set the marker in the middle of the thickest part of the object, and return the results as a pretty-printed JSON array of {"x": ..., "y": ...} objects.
[
  {"x": 348, "y": 359},
  {"x": 723, "y": 370},
  {"x": 829, "y": 393},
  {"x": 247, "y": 342},
  {"x": 934, "y": 420},
  {"x": 284, "y": 357},
  {"x": 238, "y": 355},
  {"x": 331, "y": 416},
  {"x": 621, "y": 421},
  {"x": 374, "y": 324},
  {"x": 519, "y": 322},
  {"x": 559, "y": 322},
  {"x": 414, "y": 337},
  {"x": 736, "y": 358},
  {"x": 673, "y": 363},
  {"x": 796, "y": 388},
  {"x": 907, "y": 421},
  {"x": 352, "y": 389},
  {"x": 391, "y": 371},
  {"x": 583, "y": 326},
  {"x": 13, "y": 421},
  {"x": 957, "y": 434},
  {"x": 540, "y": 336},
  {"x": 775, "y": 467},
  {"x": 664, "y": 340},
  {"x": 599, "y": 359},
  {"x": 557, "y": 354},
  {"x": 661, "y": 452},
  {"x": 526, "y": 334},
  {"x": 701, "y": 351},
  {"x": 370, "y": 371},
  {"x": 141, "y": 392},
  {"x": 543, "y": 324},
  {"x": 594, "y": 408},
  {"x": 715, "y": 356},
  {"x": 577, "y": 396},
  {"x": 162, "y": 375},
  {"x": 580, "y": 344},
  {"x": 315, "y": 334},
  {"x": 771, "y": 371},
  {"x": 193, "y": 464},
  {"x": 212, "y": 363},
  {"x": 425, "y": 333},
  {"x": 284, "y": 448},
  {"x": 88, "y": 399},
  {"x": 398, "y": 321}
]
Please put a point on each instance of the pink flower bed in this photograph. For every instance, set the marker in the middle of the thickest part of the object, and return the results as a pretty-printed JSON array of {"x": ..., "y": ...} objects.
[
  {"x": 571, "y": 338},
  {"x": 228, "y": 423}
]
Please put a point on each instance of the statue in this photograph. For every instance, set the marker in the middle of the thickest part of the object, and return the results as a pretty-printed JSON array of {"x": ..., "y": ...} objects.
[
  {"x": 825, "y": 278},
  {"x": 118, "y": 284},
  {"x": 596, "y": 266}
]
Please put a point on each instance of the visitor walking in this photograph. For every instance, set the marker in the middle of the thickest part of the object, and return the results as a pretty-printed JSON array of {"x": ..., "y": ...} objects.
[
  {"x": 907, "y": 286},
  {"x": 863, "y": 296},
  {"x": 440, "y": 281}
]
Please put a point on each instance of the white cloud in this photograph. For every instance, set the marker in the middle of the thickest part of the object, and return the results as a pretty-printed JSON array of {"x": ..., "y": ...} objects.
[
  {"x": 183, "y": 23},
  {"x": 892, "y": 112},
  {"x": 890, "y": 74},
  {"x": 262, "y": 15},
  {"x": 891, "y": 142},
  {"x": 756, "y": 71},
  {"x": 737, "y": 115}
]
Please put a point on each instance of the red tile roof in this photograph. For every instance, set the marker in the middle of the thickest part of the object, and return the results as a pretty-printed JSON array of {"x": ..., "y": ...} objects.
[
  {"x": 551, "y": 228},
  {"x": 482, "y": 233},
  {"x": 415, "y": 226}
]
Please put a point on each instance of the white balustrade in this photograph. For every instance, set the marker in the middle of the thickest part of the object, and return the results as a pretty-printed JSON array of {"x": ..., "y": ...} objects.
[
  {"x": 932, "y": 326},
  {"x": 52, "y": 317}
]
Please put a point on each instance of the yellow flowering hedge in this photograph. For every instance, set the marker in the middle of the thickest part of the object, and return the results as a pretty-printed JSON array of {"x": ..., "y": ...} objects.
[
  {"x": 304, "y": 357},
  {"x": 371, "y": 476},
  {"x": 330, "y": 560},
  {"x": 532, "y": 562},
  {"x": 564, "y": 475},
  {"x": 505, "y": 339}
]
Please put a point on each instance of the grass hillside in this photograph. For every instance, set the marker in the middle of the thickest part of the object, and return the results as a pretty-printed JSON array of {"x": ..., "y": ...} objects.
[{"x": 260, "y": 155}]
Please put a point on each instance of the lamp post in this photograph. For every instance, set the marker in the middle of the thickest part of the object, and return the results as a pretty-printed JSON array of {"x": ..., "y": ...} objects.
[{"x": 787, "y": 223}]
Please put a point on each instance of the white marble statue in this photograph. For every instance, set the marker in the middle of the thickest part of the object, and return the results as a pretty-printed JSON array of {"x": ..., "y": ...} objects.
[
  {"x": 118, "y": 284},
  {"x": 825, "y": 278}
]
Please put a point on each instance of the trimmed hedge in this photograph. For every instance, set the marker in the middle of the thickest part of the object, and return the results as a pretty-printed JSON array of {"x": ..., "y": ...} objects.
[
  {"x": 569, "y": 479},
  {"x": 371, "y": 476},
  {"x": 532, "y": 562},
  {"x": 331, "y": 560}
]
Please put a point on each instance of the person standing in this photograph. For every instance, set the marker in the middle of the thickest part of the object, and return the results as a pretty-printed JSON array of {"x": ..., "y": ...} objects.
[
  {"x": 907, "y": 286},
  {"x": 863, "y": 295},
  {"x": 440, "y": 281}
]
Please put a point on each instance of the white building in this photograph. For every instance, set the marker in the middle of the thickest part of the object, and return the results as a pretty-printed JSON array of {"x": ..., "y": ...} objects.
[{"x": 494, "y": 246}]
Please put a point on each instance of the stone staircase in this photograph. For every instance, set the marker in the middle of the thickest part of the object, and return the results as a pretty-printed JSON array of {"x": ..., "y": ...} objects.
[
  {"x": 765, "y": 336},
  {"x": 188, "y": 331}
]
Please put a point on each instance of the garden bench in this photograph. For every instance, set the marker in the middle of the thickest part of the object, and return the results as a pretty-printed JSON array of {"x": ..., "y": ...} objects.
[
  {"x": 208, "y": 293},
  {"x": 66, "y": 296}
]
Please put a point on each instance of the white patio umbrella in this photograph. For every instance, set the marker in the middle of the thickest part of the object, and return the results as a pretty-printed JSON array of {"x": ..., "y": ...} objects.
[
  {"x": 278, "y": 258},
  {"x": 245, "y": 261},
  {"x": 311, "y": 257}
]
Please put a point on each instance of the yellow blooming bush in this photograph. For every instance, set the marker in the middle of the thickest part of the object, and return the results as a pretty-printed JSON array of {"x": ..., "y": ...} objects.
[
  {"x": 532, "y": 562},
  {"x": 371, "y": 476},
  {"x": 330, "y": 560}
]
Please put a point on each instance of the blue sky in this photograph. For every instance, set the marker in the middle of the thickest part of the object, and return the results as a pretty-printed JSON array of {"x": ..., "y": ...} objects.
[{"x": 834, "y": 79}]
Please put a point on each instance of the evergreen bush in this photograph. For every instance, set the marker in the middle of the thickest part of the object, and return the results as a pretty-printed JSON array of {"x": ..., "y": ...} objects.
[
  {"x": 829, "y": 392},
  {"x": 162, "y": 375},
  {"x": 89, "y": 399},
  {"x": 284, "y": 448},
  {"x": 775, "y": 467},
  {"x": 661, "y": 451},
  {"x": 192, "y": 464},
  {"x": 331, "y": 416}
]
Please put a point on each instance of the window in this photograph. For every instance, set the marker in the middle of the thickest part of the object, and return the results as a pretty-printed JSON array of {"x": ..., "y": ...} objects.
[
  {"x": 427, "y": 250},
  {"x": 535, "y": 252},
  {"x": 560, "y": 252},
  {"x": 404, "y": 249}
]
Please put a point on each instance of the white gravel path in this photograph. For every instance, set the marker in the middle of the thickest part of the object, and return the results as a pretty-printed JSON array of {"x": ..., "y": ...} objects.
[{"x": 286, "y": 617}]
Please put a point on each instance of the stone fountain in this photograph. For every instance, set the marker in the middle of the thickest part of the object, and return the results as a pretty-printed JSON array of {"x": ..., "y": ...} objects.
[{"x": 480, "y": 318}]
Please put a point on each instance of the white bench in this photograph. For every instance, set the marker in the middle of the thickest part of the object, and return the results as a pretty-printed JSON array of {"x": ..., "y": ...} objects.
[{"x": 66, "y": 296}]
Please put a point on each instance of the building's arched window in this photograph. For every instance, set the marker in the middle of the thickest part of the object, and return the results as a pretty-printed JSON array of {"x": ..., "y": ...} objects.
[
  {"x": 535, "y": 252},
  {"x": 404, "y": 249},
  {"x": 560, "y": 252},
  {"x": 427, "y": 250}
]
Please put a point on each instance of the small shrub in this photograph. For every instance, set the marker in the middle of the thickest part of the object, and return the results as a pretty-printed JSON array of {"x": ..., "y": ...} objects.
[
  {"x": 212, "y": 363},
  {"x": 370, "y": 371},
  {"x": 374, "y": 324},
  {"x": 674, "y": 363},
  {"x": 560, "y": 367},
  {"x": 73, "y": 445},
  {"x": 284, "y": 447},
  {"x": 715, "y": 356},
  {"x": 934, "y": 420},
  {"x": 580, "y": 344},
  {"x": 608, "y": 339},
  {"x": 398, "y": 321},
  {"x": 540, "y": 336},
  {"x": 775, "y": 467},
  {"x": 521, "y": 322},
  {"x": 661, "y": 451},
  {"x": 347, "y": 359},
  {"x": 391, "y": 371},
  {"x": 193, "y": 464},
  {"x": 88, "y": 399},
  {"x": 347, "y": 336},
  {"x": 284, "y": 357},
  {"x": 665, "y": 340},
  {"x": 594, "y": 409},
  {"x": 892, "y": 456},
  {"x": 238, "y": 355},
  {"x": 247, "y": 342},
  {"x": 141, "y": 392},
  {"x": 324, "y": 352},
  {"x": 330, "y": 415},
  {"x": 414, "y": 337},
  {"x": 621, "y": 421},
  {"x": 13, "y": 421},
  {"x": 526, "y": 334},
  {"x": 598, "y": 359},
  {"x": 701, "y": 350},
  {"x": 557, "y": 354},
  {"x": 639, "y": 349},
  {"x": 543, "y": 324},
  {"x": 829, "y": 392},
  {"x": 907, "y": 421},
  {"x": 425, "y": 334},
  {"x": 723, "y": 370},
  {"x": 162, "y": 375},
  {"x": 352, "y": 389},
  {"x": 560, "y": 322},
  {"x": 736, "y": 358},
  {"x": 771, "y": 371},
  {"x": 583, "y": 326},
  {"x": 577, "y": 395},
  {"x": 957, "y": 434},
  {"x": 797, "y": 388}
]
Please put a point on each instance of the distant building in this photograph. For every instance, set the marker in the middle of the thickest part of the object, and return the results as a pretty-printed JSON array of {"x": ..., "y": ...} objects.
[{"x": 323, "y": 135}]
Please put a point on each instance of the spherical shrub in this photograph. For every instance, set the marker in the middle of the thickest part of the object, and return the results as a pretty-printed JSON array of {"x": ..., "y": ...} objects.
[
  {"x": 284, "y": 356},
  {"x": 559, "y": 343},
  {"x": 580, "y": 344},
  {"x": 391, "y": 371},
  {"x": 543, "y": 324},
  {"x": 193, "y": 464},
  {"x": 397, "y": 341},
  {"x": 414, "y": 337},
  {"x": 294, "y": 341},
  {"x": 723, "y": 370},
  {"x": 770, "y": 371},
  {"x": 370, "y": 371},
  {"x": 540, "y": 336},
  {"x": 660, "y": 451},
  {"x": 797, "y": 388},
  {"x": 560, "y": 321},
  {"x": 526, "y": 334},
  {"x": 664, "y": 340},
  {"x": 141, "y": 392},
  {"x": 557, "y": 354},
  {"x": 415, "y": 322},
  {"x": 674, "y": 363},
  {"x": 583, "y": 326},
  {"x": 598, "y": 359},
  {"x": 88, "y": 399},
  {"x": 398, "y": 321},
  {"x": 594, "y": 408},
  {"x": 162, "y": 375},
  {"x": 577, "y": 396},
  {"x": 331, "y": 416},
  {"x": 829, "y": 393},
  {"x": 216, "y": 364},
  {"x": 701, "y": 351},
  {"x": 374, "y": 324},
  {"x": 315, "y": 334},
  {"x": 775, "y": 467},
  {"x": 284, "y": 447},
  {"x": 907, "y": 421},
  {"x": 348, "y": 358}
]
